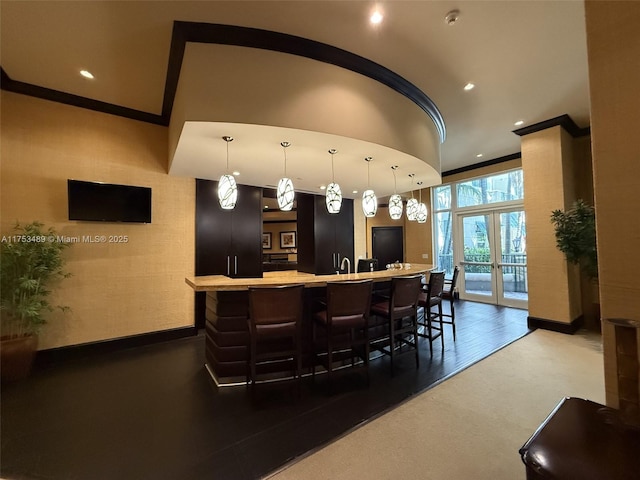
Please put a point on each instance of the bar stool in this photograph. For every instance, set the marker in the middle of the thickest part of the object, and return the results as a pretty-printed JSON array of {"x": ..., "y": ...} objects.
[
  {"x": 449, "y": 293},
  {"x": 345, "y": 322},
  {"x": 401, "y": 313},
  {"x": 275, "y": 317},
  {"x": 428, "y": 299}
]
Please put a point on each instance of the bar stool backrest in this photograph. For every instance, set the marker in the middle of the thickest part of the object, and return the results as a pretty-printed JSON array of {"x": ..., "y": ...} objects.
[
  {"x": 404, "y": 295},
  {"x": 436, "y": 284},
  {"x": 278, "y": 305},
  {"x": 349, "y": 301}
]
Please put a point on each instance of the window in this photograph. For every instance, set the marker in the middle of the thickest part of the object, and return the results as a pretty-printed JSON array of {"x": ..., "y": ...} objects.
[
  {"x": 447, "y": 199},
  {"x": 443, "y": 240},
  {"x": 503, "y": 187}
]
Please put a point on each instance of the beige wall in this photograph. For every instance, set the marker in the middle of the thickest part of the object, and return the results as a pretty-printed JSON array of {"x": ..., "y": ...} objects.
[
  {"x": 417, "y": 237},
  {"x": 554, "y": 285},
  {"x": 116, "y": 289},
  {"x": 275, "y": 229},
  {"x": 613, "y": 49}
]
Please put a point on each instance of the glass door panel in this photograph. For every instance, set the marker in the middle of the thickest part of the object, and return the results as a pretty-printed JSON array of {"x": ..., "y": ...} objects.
[
  {"x": 476, "y": 276},
  {"x": 512, "y": 265},
  {"x": 494, "y": 259}
]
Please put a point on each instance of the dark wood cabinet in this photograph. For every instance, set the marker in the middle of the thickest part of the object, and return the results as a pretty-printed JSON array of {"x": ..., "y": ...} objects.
[
  {"x": 324, "y": 239},
  {"x": 228, "y": 242}
]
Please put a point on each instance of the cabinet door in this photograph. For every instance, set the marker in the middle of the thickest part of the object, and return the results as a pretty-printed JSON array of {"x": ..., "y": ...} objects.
[
  {"x": 344, "y": 232},
  {"x": 325, "y": 238},
  {"x": 213, "y": 230},
  {"x": 246, "y": 233}
]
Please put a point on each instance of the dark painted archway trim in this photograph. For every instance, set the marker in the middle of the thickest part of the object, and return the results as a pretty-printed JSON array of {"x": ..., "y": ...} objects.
[
  {"x": 565, "y": 121},
  {"x": 23, "y": 88},
  {"x": 486, "y": 163},
  {"x": 184, "y": 32},
  {"x": 281, "y": 42}
]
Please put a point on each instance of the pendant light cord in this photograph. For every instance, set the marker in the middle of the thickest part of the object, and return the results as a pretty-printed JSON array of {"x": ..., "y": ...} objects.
[
  {"x": 333, "y": 176},
  {"x": 395, "y": 184}
]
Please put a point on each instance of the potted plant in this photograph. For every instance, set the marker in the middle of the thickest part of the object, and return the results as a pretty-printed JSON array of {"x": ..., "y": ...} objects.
[
  {"x": 31, "y": 261},
  {"x": 576, "y": 236}
]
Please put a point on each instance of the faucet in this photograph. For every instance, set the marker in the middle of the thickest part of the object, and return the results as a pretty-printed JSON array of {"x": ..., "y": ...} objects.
[{"x": 345, "y": 259}]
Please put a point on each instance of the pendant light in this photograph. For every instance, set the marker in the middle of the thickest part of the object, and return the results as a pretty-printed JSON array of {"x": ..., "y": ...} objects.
[
  {"x": 412, "y": 203},
  {"x": 227, "y": 188},
  {"x": 369, "y": 200},
  {"x": 395, "y": 201},
  {"x": 423, "y": 213},
  {"x": 285, "y": 192},
  {"x": 334, "y": 194}
]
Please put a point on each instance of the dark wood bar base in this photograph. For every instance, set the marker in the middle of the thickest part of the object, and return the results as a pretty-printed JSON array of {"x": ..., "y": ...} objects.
[{"x": 227, "y": 335}]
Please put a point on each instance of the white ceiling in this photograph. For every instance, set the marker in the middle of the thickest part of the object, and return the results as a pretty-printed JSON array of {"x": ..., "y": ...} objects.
[{"x": 527, "y": 58}]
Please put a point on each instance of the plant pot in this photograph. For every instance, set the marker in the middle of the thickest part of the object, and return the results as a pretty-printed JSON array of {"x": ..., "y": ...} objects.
[{"x": 16, "y": 356}]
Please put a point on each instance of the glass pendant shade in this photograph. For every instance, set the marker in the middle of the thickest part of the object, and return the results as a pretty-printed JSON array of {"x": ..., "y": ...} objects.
[
  {"x": 412, "y": 209},
  {"x": 227, "y": 192},
  {"x": 334, "y": 198},
  {"x": 422, "y": 214},
  {"x": 285, "y": 194},
  {"x": 395, "y": 207},
  {"x": 369, "y": 203}
]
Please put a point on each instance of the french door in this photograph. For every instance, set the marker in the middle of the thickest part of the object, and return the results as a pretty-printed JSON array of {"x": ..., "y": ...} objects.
[{"x": 493, "y": 256}]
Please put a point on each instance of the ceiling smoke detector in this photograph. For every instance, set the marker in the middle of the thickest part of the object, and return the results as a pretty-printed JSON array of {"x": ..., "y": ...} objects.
[{"x": 452, "y": 17}]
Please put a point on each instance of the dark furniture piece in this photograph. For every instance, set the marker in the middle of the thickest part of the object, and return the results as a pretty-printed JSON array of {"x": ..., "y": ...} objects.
[
  {"x": 583, "y": 440},
  {"x": 429, "y": 298},
  {"x": 449, "y": 293},
  {"x": 344, "y": 325},
  {"x": 367, "y": 265},
  {"x": 275, "y": 322},
  {"x": 324, "y": 239},
  {"x": 400, "y": 313},
  {"x": 272, "y": 262},
  {"x": 228, "y": 242}
]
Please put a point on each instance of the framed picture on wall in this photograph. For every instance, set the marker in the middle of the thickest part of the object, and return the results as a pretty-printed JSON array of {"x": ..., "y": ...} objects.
[
  {"x": 287, "y": 239},
  {"x": 266, "y": 241}
]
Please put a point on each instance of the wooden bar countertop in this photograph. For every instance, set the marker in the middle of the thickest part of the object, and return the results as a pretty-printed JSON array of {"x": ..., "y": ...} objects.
[{"x": 290, "y": 277}]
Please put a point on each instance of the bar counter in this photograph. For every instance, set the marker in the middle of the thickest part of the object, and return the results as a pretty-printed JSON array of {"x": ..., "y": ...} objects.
[
  {"x": 227, "y": 305},
  {"x": 209, "y": 283}
]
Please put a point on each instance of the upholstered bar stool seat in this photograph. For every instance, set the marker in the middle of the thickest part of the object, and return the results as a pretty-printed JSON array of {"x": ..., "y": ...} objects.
[
  {"x": 429, "y": 299},
  {"x": 275, "y": 317},
  {"x": 344, "y": 326},
  {"x": 401, "y": 314}
]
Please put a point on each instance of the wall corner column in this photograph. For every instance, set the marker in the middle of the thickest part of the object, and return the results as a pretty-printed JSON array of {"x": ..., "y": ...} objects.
[{"x": 554, "y": 285}]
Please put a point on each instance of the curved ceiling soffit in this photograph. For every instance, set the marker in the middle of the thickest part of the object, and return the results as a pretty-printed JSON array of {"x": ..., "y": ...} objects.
[{"x": 184, "y": 32}]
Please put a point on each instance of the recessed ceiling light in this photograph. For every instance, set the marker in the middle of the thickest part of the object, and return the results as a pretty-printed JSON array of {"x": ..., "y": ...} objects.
[
  {"x": 479, "y": 155},
  {"x": 518, "y": 123},
  {"x": 322, "y": 187},
  {"x": 469, "y": 86},
  {"x": 266, "y": 207},
  {"x": 236, "y": 173},
  {"x": 452, "y": 17},
  {"x": 376, "y": 17},
  {"x": 355, "y": 191},
  {"x": 86, "y": 74}
]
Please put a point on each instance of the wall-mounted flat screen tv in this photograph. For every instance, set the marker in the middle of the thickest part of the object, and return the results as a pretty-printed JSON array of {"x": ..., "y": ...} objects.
[{"x": 106, "y": 202}]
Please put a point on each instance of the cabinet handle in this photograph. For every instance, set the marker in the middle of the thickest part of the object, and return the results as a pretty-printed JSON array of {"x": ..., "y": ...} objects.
[
  {"x": 235, "y": 262},
  {"x": 228, "y": 264},
  {"x": 333, "y": 260}
]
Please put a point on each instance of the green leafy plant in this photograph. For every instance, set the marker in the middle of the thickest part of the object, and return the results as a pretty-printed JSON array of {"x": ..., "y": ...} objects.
[
  {"x": 576, "y": 236},
  {"x": 31, "y": 261}
]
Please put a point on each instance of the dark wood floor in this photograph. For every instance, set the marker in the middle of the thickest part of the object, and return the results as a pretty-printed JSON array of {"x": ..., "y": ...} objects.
[{"x": 154, "y": 413}]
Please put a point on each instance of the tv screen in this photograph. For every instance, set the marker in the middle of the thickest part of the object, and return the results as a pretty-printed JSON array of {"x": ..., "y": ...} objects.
[{"x": 106, "y": 202}]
